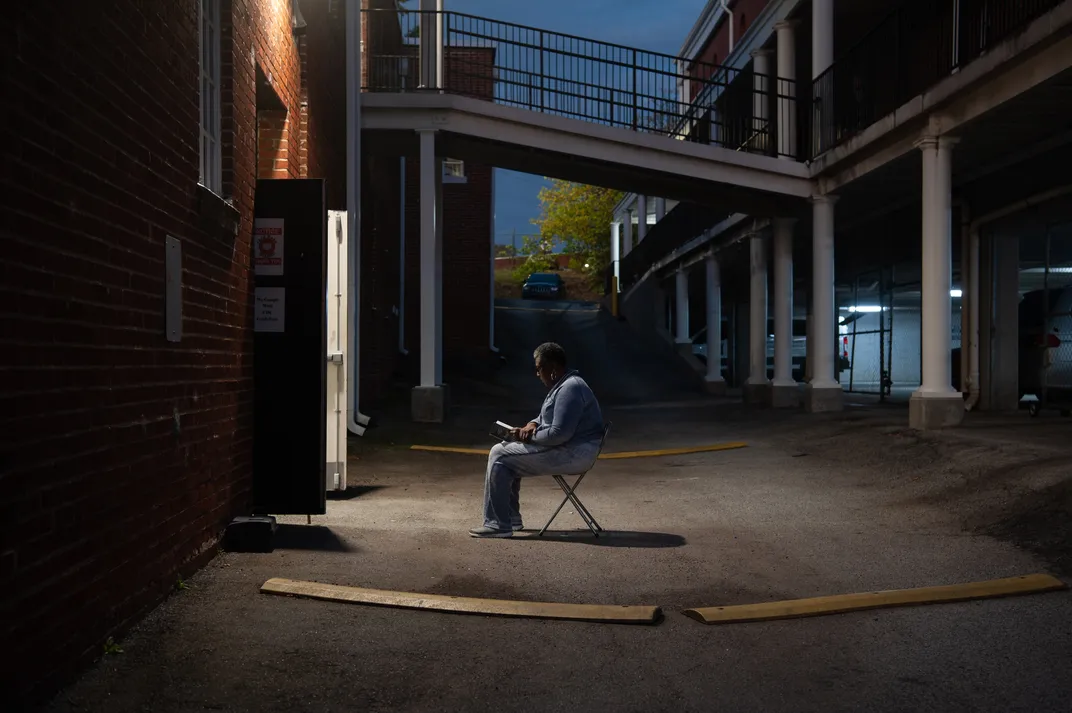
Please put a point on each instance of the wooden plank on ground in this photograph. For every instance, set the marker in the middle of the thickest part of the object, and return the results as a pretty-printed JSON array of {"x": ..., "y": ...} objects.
[
  {"x": 604, "y": 456},
  {"x": 608, "y": 614},
  {"x": 840, "y": 603}
]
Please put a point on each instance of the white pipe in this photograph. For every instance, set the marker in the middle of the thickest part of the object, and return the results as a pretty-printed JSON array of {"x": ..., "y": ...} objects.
[
  {"x": 726, "y": 9},
  {"x": 355, "y": 420},
  {"x": 491, "y": 309},
  {"x": 973, "y": 231},
  {"x": 402, "y": 258}
]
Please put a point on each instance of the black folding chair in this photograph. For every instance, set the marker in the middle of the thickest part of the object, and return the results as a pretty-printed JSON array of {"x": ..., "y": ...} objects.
[{"x": 571, "y": 494}]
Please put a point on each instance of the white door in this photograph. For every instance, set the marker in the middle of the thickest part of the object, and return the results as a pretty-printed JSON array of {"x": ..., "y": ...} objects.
[{"x": 336, "y": 349}]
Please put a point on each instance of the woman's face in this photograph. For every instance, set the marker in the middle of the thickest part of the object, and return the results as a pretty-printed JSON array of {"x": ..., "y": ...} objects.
[{"x": 546, "y": 373}]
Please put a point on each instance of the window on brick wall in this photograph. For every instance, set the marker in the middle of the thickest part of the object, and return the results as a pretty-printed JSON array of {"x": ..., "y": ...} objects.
[
  {"x": 211, "y": 176},
  {"x": 454, "y": 171}
]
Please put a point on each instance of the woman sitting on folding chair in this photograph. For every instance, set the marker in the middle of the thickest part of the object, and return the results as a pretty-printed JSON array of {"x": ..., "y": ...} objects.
[{"x": 565, "y": 439}]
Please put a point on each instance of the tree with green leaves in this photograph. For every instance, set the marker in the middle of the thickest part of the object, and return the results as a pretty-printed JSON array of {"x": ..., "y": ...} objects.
[{"x": 578, "y": 217}]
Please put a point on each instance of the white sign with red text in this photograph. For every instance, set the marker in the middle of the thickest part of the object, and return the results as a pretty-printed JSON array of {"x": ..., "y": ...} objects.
[{"x": 268, "y": 246}]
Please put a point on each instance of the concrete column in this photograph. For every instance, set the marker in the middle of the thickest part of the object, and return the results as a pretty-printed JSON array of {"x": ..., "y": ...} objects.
[
  {"x": 762, "y": 85},
  {"x": 1000, "y": 337},
  {"x": 823, "y": 392},
  {"x": 822, "y": 56},
  {"x": 616, "y": 249},
  {"x": 936, "y": 403},
  {"x": 441, "y": 57},
  {"x": 757, "y": 388},
  {"x": 786, "y": 88},
  {"x": 681, "y": 307},
  {"x": 714, "y": 382},
  {"x": 660, "y": 209},
  {"x": 627, "y": 237},
  {"x": 822, "y": 36},
  {"x": 430, "y": 43},
  {"x": 785, "y": 393},
  {"x": 642, "y": 217},
  {"x": 429, "y": 398}
]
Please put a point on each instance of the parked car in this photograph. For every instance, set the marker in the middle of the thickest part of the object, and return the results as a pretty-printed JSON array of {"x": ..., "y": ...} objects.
[
  {"x": 1046, "y": 348},
  {"x": 543, "y": 285},
  {"x": 799, "y": 351}
]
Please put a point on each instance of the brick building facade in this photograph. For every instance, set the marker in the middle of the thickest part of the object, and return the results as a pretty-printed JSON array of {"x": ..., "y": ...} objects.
[{"x": 125, "y": 454}]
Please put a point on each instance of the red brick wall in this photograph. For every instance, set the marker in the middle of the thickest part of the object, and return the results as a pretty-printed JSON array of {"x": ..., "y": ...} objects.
[
  {"x": 717, "y": 47},
  {"x": 273, "y": 145},
  {"x": 466, "y": 256},
  {"x": 122, "y": 455}
]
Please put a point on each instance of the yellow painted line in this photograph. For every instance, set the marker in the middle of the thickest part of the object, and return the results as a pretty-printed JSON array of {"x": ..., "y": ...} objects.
[
  {"x": 605, "y": 456},
  {"x": 608, "y": 614},
  {"x": 840, "y": 603},
  {"x": 449, "y": 449},
  {"x": 673, "y": 451}
]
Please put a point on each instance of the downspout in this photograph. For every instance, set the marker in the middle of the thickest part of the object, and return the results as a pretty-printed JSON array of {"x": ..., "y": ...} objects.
[
  {"x": 726, "y": 9},
  {"x": 402, "y": 259},
  {"x": 973, "y": 241},
  {"x": 355, "y": 420}
]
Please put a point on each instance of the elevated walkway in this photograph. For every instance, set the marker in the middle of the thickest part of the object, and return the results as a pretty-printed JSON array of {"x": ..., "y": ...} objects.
[{"x": 550, "y": 104}]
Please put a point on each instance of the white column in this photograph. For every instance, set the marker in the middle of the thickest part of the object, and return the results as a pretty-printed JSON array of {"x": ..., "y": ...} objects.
[
  {"x": 786, "y": 88},
  {"x": 441, "y": 58},
  {"x": 822, "y": 36},
  {"x": 761, "y": 88},
  {"x": 714, "y": 381},
  {"x": 429, "y": 47},
  {"x": 822, "y": 56},
  {"x": 642, "y": 217},
  {"x": 615, "y": 250},
  {"x": 946, "y": 404},
  {"x": 431, "y": 178},
  {"x": 660, "y": 209},
  {"x": 757, "y": 383},
  {"x": 783, "y": 303},
  {"x": 681, "y": 307},
  {"x": 823, "y": 392},
  {"x": 627, "y": 238}
]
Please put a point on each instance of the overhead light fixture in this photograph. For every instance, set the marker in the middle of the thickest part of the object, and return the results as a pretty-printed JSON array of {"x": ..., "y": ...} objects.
[
  {"x": 956, "y": 293},
  {"x": 864, "y": 308}
]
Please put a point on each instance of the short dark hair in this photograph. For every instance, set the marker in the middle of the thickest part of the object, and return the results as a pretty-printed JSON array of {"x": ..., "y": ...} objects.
[{"x": 550, "y": 353}]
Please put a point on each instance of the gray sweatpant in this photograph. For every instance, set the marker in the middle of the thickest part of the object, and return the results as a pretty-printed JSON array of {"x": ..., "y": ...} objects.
[{"x": 508, "y": 463}]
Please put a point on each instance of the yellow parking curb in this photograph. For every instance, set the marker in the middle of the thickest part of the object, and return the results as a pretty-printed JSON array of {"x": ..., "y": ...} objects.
[
  {"x": 840, "y": 603},
  {"x": 608, "y": 614},
  {"x": 605, "y": 456}
]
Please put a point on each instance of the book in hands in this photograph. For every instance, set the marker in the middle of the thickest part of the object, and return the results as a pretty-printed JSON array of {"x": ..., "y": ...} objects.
[{"x": 502, "y": 431}]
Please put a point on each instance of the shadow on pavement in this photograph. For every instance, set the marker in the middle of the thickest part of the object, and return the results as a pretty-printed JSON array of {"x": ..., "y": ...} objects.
[
  {"x": 609, "y": 538},
  {"x": 308, "y": 537},
  {"x": 354, "y": 491}
]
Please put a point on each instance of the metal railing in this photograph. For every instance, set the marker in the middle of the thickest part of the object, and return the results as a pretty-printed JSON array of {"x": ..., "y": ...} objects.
[
  {"x": 911, "y": 50},
  {"x": 579, "y": 78}
]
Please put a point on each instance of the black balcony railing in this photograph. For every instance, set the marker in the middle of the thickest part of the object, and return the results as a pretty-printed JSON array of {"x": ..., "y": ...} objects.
[
  {"x": 911, "y": 50},
  {"x": 585, "y": 79}
]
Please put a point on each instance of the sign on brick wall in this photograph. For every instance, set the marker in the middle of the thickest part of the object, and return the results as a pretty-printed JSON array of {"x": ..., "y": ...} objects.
[{"x": 268, "y": 246}]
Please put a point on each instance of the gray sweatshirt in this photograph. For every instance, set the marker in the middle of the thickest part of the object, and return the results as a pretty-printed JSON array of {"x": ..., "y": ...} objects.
[{"x": 570, "y": 414}]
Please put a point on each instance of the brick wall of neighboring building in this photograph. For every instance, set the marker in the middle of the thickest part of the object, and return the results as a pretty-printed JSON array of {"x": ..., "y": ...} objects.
[
  {"x": 466, "y": 254},
  {"x": 123, "y": 455},
  {"x": 717, "y": 47}
]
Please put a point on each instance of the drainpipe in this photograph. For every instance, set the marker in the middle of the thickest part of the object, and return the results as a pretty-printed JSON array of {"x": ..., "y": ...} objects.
[
  {"x": 402, "y": 259},
  {"x": 726, "y": 9},
  {"x": 973, "y": 242},
  {"x": 355, "y": 420}
]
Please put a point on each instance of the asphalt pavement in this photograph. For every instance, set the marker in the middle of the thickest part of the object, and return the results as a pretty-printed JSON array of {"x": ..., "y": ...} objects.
[{"x": 815, "y": 505}]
